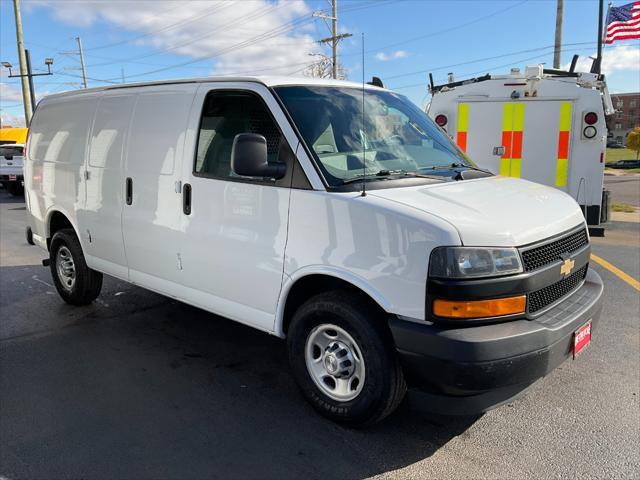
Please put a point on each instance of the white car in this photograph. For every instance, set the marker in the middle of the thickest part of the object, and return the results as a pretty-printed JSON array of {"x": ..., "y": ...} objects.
[
  {"x": 335, "y": 215},
  {"x": 11, "y": 160}
]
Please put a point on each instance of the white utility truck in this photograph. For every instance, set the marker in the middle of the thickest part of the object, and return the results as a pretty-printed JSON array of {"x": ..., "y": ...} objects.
[
  {"x": 11, "y": 159},
  {"x": 332, "y": 214},
  {"x": 547, "y": 126}
]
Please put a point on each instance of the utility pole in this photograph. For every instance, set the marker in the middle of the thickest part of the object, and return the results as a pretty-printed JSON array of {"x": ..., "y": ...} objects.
[
  {"x": 334, "y": 38},
  {"x": 84, "y": 70},
  {"x": 558, "y": 44},
  {"x": 26, "y": 98},
  {"x": 334, "y": 34}
]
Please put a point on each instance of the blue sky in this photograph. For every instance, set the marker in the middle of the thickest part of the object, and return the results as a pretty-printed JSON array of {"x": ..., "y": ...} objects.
[{"x": 404, "y": 40}]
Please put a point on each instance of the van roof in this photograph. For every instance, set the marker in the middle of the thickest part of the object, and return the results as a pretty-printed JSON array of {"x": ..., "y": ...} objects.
[{"x": 268, "y": 81}]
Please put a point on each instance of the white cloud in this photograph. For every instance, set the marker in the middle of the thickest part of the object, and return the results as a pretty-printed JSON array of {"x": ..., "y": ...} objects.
[
  {"x": 238, "y": 36},
  {"x": 9, "y": 120},
  {"x": 614, "y": 59},
  {"x": 9, "y": 94},
  {"x": 385, "y": 57}
]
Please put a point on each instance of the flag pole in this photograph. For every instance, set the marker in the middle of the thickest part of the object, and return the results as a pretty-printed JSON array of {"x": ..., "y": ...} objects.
[{"x": 598, "y": 63}]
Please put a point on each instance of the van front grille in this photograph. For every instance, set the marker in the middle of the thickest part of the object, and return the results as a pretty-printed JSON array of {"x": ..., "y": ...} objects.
[
  {"x": 552, "y": 293},
  {"x": 538, "y": 257}
]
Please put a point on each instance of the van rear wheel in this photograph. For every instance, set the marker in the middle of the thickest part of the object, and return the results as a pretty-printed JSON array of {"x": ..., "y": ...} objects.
[
  {"x": 343, "y": 359},
  {"x": 76, "y": 283}
]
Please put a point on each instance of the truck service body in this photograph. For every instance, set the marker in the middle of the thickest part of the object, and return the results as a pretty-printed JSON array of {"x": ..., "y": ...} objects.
[
  {"x": 544, "y": 126},
  {"x": 243, "y": 196}
]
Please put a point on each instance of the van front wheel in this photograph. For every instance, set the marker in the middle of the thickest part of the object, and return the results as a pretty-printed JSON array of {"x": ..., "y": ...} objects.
[
  {"x": 76, "y": 283},
  {"x": 343, "y": 359}
]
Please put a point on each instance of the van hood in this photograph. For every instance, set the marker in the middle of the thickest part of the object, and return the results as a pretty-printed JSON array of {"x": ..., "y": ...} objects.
[{"x": 494, "y": 211}]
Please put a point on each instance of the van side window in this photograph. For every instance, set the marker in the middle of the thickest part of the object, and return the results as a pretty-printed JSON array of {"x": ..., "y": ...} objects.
[{"x": 225, "y": 115}]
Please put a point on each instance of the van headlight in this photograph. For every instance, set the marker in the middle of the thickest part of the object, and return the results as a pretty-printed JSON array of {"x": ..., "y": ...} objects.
[{"x": 472, "y": 262}]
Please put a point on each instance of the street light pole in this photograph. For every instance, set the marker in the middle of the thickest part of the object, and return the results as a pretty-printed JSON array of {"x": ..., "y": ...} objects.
[
  {"x": 26, "y": 98},
  {"x": 32, "y": 92},
  {"x": 27, "y": 78}
]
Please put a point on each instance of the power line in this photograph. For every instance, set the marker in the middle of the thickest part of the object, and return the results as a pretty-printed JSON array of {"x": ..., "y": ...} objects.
[
  {"x": 494, "y": 57},
  {"x": 440, "y": 32},
  {"x": 259, "y": 38},
  {"x": 185, "y": 21},
  {"x": 299, "y": 21},
  {"x": 217, "y": 31}
]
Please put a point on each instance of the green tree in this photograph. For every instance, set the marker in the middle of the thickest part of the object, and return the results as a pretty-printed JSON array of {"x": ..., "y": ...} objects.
[{"x": 633, "y": 141}]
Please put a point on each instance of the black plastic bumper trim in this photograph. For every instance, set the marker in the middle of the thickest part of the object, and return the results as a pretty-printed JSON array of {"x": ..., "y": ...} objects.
[{"x": 475, "y": 360}]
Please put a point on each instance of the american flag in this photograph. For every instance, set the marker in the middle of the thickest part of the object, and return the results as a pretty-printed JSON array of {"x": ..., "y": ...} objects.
[{"x": 623, "y": 23}]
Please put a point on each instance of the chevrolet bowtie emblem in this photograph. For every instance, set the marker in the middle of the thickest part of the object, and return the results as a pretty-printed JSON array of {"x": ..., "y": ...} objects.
[{"x": 567, "y": 266}]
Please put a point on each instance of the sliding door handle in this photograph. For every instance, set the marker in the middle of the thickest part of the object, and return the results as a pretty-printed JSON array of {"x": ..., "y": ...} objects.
[
  {"x": 186, "y": 199},
  {"x": 129, "y": 191}
]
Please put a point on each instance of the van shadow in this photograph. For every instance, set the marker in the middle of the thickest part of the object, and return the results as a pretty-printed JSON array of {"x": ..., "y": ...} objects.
[
  {"x": 173, "y": 391},
  {"x": 6, "y": 197}
]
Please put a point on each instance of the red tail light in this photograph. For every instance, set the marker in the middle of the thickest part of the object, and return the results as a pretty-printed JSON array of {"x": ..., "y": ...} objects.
[
  {"x": 591, "y": 118},
  {"x": 441, "y": 120}
]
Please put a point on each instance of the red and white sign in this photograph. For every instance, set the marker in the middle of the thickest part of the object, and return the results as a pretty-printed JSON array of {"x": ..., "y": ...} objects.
[{"x": 581, "y": 338}]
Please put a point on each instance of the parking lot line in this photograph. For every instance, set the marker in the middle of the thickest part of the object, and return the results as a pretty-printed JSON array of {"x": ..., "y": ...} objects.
[{"x": 616, "y": 271}]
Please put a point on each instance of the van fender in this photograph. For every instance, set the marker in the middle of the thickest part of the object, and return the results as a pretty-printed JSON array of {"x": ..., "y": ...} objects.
[
  {"x": 58, "y": 209},
  {"x": 289, "y": 280}
]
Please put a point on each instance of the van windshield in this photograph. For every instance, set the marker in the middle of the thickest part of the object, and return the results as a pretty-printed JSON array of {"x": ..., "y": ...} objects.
[{"x": 394, "y": 137}]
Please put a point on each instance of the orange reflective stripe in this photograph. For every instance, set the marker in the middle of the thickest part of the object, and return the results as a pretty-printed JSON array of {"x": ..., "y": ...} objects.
[
  {"x": 563, "y": 145},
  {"x": 516, "y": 145},
  {"x": 507, "y": 138},
  {"x": 462, "y": 141}
]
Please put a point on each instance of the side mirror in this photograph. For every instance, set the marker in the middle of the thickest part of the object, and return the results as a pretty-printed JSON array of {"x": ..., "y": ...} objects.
[{"x": 249, "y": 157}]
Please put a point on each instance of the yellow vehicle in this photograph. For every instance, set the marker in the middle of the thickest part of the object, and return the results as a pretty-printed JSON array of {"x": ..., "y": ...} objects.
[{"x": 13, "y": 135}]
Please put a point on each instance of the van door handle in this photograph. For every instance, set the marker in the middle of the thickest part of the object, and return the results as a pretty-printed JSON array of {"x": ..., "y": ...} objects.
[
  {"x": 129, "y": 190},
  {"x": 186, "y": 199}
]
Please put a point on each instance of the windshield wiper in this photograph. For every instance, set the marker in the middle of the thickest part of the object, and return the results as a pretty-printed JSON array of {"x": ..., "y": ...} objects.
[
  {"x": 451, "y": 166},
  {"x": 386, "y": 175}
]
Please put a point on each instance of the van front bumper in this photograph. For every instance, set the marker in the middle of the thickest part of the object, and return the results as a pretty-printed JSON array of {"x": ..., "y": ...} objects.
[{"x": 468, "y": 370}]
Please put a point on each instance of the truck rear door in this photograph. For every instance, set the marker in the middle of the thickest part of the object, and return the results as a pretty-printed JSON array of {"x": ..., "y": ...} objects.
[{"x": 524, "y": 138}]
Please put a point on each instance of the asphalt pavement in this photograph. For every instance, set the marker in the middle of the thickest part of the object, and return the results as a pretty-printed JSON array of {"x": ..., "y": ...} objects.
[
  {"x": 137, "y": 385},
  {"x": 624, "y": 188}
]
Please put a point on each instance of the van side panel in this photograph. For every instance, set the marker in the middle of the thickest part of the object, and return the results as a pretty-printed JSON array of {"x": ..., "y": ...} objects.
[
  {"x": 55, "y": 165},
  {"x": 380, "y": 246},
  {"x": 153, "y": 162},
  {"x": 101, "y": 218}
]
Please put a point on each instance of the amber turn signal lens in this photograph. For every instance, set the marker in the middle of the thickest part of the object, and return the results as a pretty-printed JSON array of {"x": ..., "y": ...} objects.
[{"x": 479, "y": 308}]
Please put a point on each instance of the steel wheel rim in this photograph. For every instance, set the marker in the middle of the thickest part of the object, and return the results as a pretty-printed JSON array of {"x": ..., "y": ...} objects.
[
  {"x": 335, "y": 362},
  {"x": 66, "y": 268}
]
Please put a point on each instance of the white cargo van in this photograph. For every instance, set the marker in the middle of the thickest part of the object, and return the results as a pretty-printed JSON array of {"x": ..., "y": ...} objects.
[{"x": 244, "y": 197}]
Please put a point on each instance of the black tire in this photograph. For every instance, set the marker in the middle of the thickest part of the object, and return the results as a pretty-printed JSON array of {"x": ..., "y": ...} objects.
[
  {"x": 15, "y": 188},
  {"x": 384, "y": 386},
  {"x": 87, "y": 284}
]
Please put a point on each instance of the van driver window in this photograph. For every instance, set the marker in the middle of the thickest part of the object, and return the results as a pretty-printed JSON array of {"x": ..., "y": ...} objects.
[{"x": 225, "y": 115}]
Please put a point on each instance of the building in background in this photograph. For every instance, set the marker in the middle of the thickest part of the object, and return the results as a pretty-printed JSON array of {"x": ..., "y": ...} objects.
[{"x": 625, "y": 118}]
